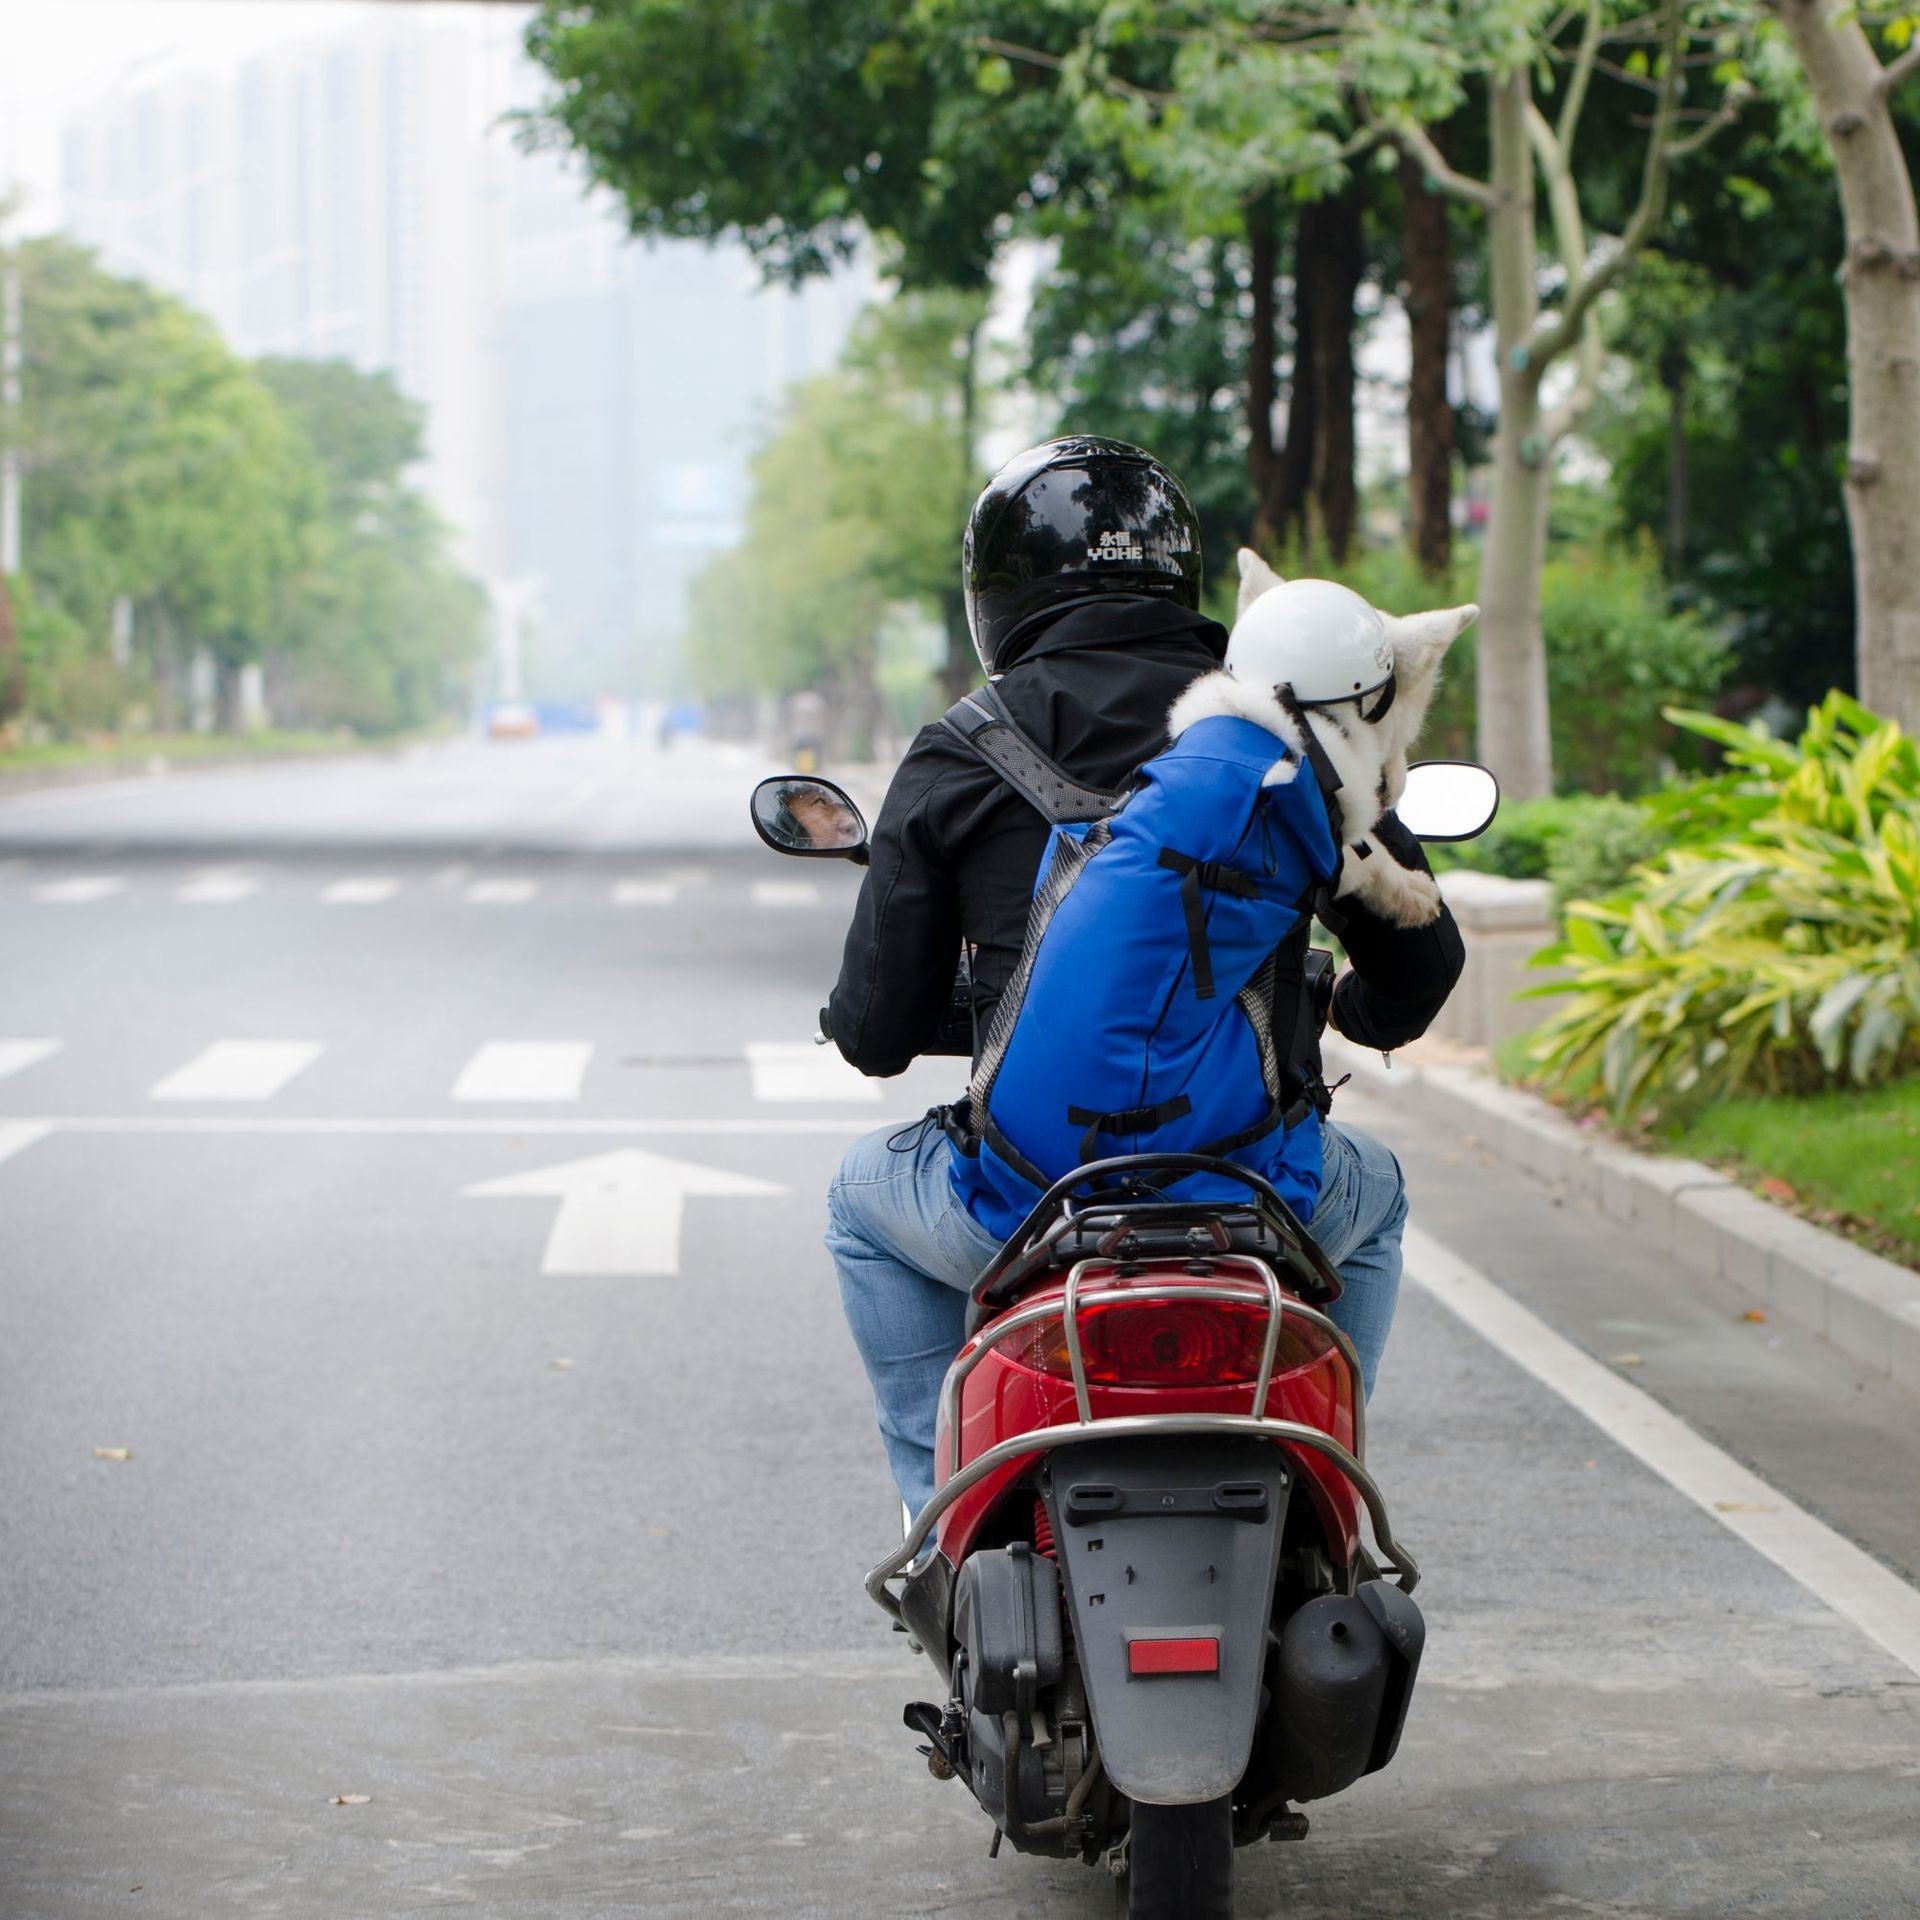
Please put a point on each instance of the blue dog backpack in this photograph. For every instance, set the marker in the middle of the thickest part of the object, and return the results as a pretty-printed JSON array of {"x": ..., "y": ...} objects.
[{"x": 1140, "y": 1016}]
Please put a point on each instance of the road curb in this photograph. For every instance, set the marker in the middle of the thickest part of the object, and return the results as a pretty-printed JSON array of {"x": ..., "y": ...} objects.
[{"x": 1867, "y": 1307}]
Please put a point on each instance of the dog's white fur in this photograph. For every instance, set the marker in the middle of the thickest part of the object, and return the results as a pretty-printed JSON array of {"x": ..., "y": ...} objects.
[{"x": 1369, "y": 756}]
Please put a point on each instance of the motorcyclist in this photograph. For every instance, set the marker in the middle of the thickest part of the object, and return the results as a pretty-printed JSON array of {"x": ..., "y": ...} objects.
[{"x": 1081, "y": 570}]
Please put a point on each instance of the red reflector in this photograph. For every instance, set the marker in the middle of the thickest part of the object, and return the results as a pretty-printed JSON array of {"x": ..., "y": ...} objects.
[{"x": 1173, "y": 1656}]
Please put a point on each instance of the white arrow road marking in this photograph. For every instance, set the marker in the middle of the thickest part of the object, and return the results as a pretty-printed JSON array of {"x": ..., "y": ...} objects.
[
  {"x": 620, "y": 1212},
  {"x": 798, "y": 1070},
  {"x": 238, "y": 1070},
  {"x": 17, "y": 1055}
]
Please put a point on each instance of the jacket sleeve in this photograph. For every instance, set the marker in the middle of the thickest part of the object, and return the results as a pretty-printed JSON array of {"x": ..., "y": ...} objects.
[
  {"x": 1400, "y": 977},
  {"x": 896, "y": 974}
]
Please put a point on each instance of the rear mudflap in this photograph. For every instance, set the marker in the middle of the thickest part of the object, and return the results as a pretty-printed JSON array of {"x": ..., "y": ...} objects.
[{"x": 1168, "y": 1550}]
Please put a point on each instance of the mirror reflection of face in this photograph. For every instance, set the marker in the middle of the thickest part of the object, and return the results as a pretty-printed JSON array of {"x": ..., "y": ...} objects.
[{"x": 825, "y": 820}]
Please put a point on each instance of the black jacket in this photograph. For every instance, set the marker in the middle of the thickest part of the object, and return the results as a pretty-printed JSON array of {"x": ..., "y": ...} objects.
[{"x": 955, "y": 851}]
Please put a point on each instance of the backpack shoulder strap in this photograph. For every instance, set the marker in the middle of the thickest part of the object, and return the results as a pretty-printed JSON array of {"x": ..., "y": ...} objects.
[{"x": 982, "y": 724}]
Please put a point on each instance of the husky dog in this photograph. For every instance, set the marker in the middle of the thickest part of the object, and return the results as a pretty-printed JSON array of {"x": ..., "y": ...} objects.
[{"x": 1369, "y": 756}]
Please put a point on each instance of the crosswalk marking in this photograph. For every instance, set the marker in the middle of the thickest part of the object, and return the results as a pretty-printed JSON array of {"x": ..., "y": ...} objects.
[
  {"x": 502, "y": 893},
  {"x": 81, "y": 888},
  {"x": 644, "y": 893},
  {"x": 16, "y": 1056},
  {"x": 785, "y": 893},
  {"x": 796, "y": 1070},
  {"x": 216, "y": 889},
  {"x": 238, "y": 1070},
  {"x": 361, "y": 891},
  {"x": 525, "y": 1070}
]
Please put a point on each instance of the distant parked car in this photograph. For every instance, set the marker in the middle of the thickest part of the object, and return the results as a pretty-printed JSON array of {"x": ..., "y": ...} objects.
[{"x": 512, "y": 720}]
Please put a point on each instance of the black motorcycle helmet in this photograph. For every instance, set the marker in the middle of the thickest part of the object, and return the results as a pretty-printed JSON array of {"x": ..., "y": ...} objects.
[{"x": 1064, "y": 521}]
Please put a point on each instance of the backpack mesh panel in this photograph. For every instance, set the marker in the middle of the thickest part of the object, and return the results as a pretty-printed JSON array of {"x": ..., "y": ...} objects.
[
  {"x": 1255, "y": 1000},
  {"x": 1070, "y": 856}
]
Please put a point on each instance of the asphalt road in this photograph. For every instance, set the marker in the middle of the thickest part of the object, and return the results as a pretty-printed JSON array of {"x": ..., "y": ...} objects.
[{"x": 431, "y": 1497}]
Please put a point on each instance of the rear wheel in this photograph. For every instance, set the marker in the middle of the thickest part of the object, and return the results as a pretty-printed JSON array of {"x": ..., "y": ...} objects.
[{"x": 1180, "y": 1862}]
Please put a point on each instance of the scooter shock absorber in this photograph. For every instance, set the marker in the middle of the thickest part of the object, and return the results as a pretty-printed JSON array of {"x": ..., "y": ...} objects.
[{"x": 1042, "y": 1529}]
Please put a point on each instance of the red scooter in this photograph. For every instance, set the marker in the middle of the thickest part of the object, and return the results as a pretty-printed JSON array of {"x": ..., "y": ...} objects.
[{"x": 1156, "y": 1623}]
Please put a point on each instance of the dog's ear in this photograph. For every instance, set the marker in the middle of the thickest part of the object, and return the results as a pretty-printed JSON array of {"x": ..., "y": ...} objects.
[
  {"x": 1255, "y": 578},
  {"x": 1420, "y": 640}
]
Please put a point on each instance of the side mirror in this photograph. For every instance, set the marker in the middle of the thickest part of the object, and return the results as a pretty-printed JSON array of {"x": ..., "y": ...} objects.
[
  {"x": 1448, "y": 800},
  {"x": 812, "y": 818}
]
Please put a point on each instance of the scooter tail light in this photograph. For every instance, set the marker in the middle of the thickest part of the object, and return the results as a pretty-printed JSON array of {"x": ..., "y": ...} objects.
[{"x": 1169, "y": 1342}]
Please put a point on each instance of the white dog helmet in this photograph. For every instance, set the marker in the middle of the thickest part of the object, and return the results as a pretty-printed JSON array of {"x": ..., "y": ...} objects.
[{"x": 1317, "y": 638}]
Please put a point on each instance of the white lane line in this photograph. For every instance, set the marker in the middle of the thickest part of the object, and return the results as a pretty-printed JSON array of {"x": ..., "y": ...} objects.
[
  {"x": 216, "y": 889},
  {"x": 1831, "y": 1568},
  {"x": 368, "y": 891},
  {"x": 794, "y": 1070},
  {"x": 238, "y": 1070},
  {"x": 16, "y": 1056},
  {"x": 785, "y": 893},
  {"x": 525, "y": 1070},
  {"x": 17, "y": 1135},
  {"x": 644, "y": 893},
  {"x": 502, "y": 893},
  {"x": 81, "y": 888}
]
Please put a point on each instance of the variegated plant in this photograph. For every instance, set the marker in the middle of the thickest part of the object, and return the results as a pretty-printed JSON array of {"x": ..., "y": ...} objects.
[{"x": 1781, "y": 951}]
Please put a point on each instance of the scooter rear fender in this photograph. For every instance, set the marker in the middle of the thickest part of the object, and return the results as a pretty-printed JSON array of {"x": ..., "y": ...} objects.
[{"x": 1169, "y": 1551}]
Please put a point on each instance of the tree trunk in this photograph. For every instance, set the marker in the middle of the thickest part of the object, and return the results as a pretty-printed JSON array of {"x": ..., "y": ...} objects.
[
  {"x": 1264, "y": 460},
  {"x": 1430, "y": 428},
  {"x": 1327, "y": 277},
  {"x": 1303, "y": 426},
  {"x": 1882, "y": 291},
  {"x": 1673, "y": 376},
  {"x": 1510, "y": 662},
  {"x": 961, "y": 671},
  {"x": 13, "y": 672}
]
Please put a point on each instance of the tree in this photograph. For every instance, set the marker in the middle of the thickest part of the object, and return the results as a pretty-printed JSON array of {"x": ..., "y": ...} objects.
[
  {"x": 377, "y": 624},
  {"x": 939, "y": 130},
  {"x": 1510, "y": 661},
  {"x": 1727, "y": 435},
  {"x": 852, "y": 514},
  {"x": 160, "y": 470},
  {"x": 1141, "y": 332},
  {"x": 1852, "y": 99}
]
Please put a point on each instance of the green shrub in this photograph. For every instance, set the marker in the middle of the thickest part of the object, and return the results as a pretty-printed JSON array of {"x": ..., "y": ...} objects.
[
  {"x": 1599, "y": 848},
  {"x": 1782, "y": 955},
  {"x": 1524, "y": 841}
]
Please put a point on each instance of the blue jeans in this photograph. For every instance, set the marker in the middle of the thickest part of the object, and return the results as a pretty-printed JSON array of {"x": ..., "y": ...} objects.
[{"x": 907, "y": 1252}]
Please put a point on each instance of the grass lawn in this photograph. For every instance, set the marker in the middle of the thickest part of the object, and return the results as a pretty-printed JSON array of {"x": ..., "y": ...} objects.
[
  {"x": 1847, "y": 1159},
  {"x": 134, "y": 750}
]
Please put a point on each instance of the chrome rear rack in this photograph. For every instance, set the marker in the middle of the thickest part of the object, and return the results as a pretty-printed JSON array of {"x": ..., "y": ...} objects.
[{"x": 1260, "y": 1283}]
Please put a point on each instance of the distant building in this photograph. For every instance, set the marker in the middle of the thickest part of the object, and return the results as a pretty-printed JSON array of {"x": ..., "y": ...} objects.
[
  {"x": 635, "y": 381},
  {"x": 591, "y": 403}
]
